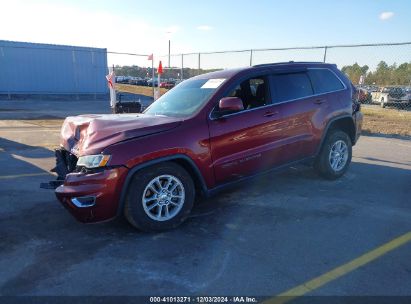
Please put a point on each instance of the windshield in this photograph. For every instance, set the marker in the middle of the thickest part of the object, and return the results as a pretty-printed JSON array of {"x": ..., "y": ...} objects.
[{"x": 185, "y": 99}]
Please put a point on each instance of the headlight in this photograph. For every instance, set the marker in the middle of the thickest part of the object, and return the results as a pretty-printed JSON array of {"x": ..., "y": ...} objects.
[{"x": 93, "y": 161}]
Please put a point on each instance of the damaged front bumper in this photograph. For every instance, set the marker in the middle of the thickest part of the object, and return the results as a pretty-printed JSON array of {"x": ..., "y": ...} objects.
[
  {"x": 89, "y": 195},
  {"x": 65, "y": 163},
  {"x": 92, "y": 197}
]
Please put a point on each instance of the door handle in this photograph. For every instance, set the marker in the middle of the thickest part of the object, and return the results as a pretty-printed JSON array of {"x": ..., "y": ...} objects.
[
  {"x": 319, "y": 101},
  {"x": 270, "y": 113}
]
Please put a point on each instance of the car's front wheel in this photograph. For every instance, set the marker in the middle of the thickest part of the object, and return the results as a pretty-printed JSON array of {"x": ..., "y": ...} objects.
[
  {"x": 159, "y": 197},
  {"x": 335, "y": 155}
]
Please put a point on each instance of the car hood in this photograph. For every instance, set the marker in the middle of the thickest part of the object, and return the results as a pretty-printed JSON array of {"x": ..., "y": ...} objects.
[{"x": 90, "y": 134}]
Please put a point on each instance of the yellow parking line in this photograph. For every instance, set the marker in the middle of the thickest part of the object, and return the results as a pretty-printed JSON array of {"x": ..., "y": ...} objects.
[
  {"x": 340, "y": 271},
  {"x": 23, "y": 175}
]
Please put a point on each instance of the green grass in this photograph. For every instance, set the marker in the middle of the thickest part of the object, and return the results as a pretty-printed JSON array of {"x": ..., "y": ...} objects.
[{"x": 128, "y": 88}]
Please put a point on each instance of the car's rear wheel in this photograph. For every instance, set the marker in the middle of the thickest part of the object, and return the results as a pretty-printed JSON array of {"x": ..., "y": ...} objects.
[
  {"x": 159, "y": 197},
  {"x": 335, "y": 155}
]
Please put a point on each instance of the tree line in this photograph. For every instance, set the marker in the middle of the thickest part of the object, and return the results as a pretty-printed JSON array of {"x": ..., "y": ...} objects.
[
  {"x": 142, "y": 72},
  {"x": 383, "y": 75}
]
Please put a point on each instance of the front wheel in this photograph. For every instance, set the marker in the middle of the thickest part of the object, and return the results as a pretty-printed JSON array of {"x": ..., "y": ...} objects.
[
  {"x": 159, "y": 197},
  {"x": 335, "y": 155}
]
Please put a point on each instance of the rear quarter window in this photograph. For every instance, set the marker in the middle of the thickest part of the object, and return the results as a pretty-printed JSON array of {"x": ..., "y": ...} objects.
[
  {"x": 324, "y": 81},
  {"x": 290, "y": 86}
]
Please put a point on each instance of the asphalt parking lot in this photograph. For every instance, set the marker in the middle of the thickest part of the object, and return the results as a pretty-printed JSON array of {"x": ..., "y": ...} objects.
[{"x": 262, "y": 238}]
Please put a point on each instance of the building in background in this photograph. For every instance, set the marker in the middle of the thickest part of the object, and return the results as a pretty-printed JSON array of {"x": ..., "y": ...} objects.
[{"x": 28, "y": 70}]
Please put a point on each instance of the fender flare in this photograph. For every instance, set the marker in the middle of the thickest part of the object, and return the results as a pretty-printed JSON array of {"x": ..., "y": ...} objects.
[
  {"x": 327, "y": 127},
  {"x": 152, "y": 162}
]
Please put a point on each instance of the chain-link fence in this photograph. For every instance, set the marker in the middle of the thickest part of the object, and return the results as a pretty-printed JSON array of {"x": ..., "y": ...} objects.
[{"x": 382, "y": 72}]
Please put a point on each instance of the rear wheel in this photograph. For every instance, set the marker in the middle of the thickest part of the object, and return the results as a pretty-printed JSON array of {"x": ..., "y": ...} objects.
[
  {"x": 335, "y": 155},
  {"x": 159, "y": 197}
]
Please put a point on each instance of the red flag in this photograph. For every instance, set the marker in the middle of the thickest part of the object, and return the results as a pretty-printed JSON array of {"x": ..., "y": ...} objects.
[
  {"x": 160, "y": 68},
  {"x": 109, "y": 78},
  {"x": 150, "y": 57}
]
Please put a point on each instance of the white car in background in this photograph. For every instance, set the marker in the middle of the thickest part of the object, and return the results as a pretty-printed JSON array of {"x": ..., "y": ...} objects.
[
  {"x": 390, "y": 96},
  {"x": 408, "y": 93}
]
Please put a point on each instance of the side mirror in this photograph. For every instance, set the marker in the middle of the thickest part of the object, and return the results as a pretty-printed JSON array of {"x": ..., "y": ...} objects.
[{"x": 230, "y": 104}]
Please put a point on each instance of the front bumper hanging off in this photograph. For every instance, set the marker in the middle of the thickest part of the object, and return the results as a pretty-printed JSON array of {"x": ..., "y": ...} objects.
[
  {"x": 65, "y": 163},
  {"x": 90, "y": 196}
]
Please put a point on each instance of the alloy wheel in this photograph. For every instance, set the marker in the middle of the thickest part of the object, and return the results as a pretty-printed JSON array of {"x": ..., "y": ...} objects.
[
  {"x": 338, "y": 155},
  {"x": 163, "y": 197}
]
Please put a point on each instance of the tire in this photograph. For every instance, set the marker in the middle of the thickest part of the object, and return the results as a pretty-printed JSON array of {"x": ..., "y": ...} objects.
[
  {"x": 152, "y": 183},
  {"x": 323, "y": 164},
  {"x": 382, "y": 103}
]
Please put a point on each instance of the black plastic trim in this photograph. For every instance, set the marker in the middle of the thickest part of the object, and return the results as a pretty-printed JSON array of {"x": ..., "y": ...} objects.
[
  {"x": 332, "y": 120},
  {"x": 227, "y": 185}
]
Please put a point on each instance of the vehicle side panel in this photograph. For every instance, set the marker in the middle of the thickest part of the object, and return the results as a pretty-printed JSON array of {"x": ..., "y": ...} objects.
[{"x": 190, "y": 139}]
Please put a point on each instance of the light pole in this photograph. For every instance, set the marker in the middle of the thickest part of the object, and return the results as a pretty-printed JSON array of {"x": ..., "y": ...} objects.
[{"x": 169, "y": 47}]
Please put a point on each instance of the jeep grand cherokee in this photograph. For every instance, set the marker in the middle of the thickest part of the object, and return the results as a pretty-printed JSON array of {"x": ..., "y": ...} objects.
[{"x": 208, "y": 132}]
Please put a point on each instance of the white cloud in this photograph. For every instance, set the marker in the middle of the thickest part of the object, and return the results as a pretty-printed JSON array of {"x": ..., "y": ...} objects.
[
  {"x": 386, "y": 15},
  {"x": 204, "y": 28}
]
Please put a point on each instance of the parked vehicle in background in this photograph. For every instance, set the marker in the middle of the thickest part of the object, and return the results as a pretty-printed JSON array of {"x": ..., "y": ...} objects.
[
  {"x": 163, "y": 84},
  {"x": 408, "y": 93},
  {"x": 205, "y": 134},
  {"x": 178, "y": 81},
  {"x": 390, "y": 96},
  {"x": 142, "y": 82},
  {"x": 134, "y": 80},
  {"x": 371, "y": 88},
  {"x": 121, "y": 79},
  {"x": 150, "y": 82},
  {"x": 167, "y": 84},
  {"x": 137, "y": 81},
  {"x": 364, "y": 96}
]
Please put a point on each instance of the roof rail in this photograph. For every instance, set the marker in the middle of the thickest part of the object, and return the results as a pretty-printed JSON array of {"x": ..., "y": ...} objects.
[{"x": 288, "y": 62}]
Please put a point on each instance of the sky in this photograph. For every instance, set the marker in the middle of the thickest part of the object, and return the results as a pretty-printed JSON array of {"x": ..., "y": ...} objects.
[{"x": 145, "y": 27}]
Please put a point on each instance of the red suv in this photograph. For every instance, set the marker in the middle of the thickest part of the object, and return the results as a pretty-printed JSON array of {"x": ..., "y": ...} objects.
[{"x": 207, "y": 133}]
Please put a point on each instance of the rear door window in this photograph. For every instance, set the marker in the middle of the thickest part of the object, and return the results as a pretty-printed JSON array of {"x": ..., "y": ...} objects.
[
  {"x": 324, "y": 81},
  {"x": 290, "y": 86}
]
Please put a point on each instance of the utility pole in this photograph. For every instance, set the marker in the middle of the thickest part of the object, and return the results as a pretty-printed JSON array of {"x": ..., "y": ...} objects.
[
  {"x": 199, "y": 64},
  {"x": 182, "y": 66},
  {"x": 169, "y": 43},
  {"x": 152, "y": 76},
  {"x": 251, "y": 57}
]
